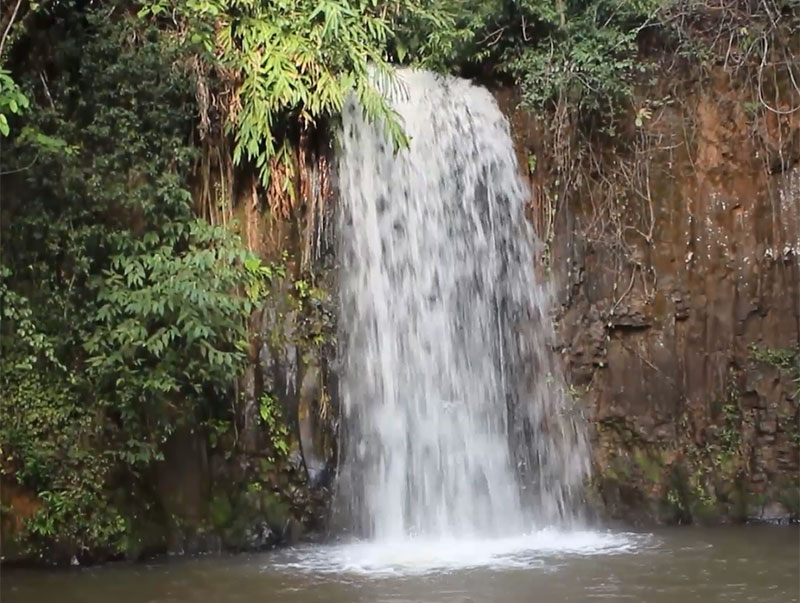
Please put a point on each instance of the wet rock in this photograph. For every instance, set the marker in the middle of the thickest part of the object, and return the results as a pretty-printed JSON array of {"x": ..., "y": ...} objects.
[
  {"x": 773, "y": 512},
  {"x": 259, "y": 536}
]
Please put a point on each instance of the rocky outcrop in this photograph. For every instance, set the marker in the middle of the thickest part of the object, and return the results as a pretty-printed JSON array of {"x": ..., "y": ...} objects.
[{"x": 678, "y": 269}]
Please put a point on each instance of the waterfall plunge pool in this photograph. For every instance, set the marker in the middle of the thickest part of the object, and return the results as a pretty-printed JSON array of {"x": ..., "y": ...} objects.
[{"x": 675, "y": 565}]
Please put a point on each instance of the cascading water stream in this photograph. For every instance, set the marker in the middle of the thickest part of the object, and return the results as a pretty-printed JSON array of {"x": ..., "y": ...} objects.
[{"x": 455, "y": 418}]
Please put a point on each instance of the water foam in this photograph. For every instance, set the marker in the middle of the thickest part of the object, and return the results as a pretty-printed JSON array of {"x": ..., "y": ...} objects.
[{"x": 544, "y": 549}]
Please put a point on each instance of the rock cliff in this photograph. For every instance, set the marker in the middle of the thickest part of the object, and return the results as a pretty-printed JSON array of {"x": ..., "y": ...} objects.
[{"x": 677, "y": 261}]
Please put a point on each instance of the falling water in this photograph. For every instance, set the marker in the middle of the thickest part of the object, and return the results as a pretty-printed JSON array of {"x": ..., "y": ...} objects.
[{"x": 456, "y": 421}]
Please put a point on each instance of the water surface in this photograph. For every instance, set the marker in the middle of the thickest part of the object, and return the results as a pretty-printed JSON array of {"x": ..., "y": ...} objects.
[{"x": 679, "y": 565}]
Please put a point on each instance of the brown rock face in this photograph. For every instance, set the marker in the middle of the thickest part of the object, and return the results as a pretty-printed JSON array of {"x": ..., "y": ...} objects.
[{"x": 678, "y": 266}]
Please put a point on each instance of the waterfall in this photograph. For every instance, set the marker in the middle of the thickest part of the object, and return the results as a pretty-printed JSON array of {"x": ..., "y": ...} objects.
[{"x": 456, "y": 421}]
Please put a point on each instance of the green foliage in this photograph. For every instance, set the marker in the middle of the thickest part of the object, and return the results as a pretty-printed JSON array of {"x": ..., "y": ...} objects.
[
  {"x": 588, "y": 56},
  {"x": 48, "y": 439},
  {"x": 585, "y": 54},
  {"x": 787, "y": 360},
  {"x": 170, "y": 325},
  {"x": 123, "y": 315},
  {"x": 12, "y": 100},
  {"x": 261, "y": 275},
  {"x": 317, "y": 324},
  {"x": 674, "y": 499},
  {"x": 581, "y": 53},
  {"x": 270, "y": 412},
  {"x": 777, "y": 357},
  {"x": 297, "y": 61},
  {"x": 730, "y": 435},
  {"x": 729, "y": 427}
]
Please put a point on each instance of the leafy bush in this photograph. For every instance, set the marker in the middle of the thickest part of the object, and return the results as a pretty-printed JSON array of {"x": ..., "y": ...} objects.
[
  {"x": 12, "y": 101},
  {"x": 295, "y": 61},
  {"x": 123, "y": 314},
  {"x": 584, "y": 53}
]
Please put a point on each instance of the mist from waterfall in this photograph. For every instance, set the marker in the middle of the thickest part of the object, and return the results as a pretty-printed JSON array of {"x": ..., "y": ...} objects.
[{"x": 456, "y": 419}]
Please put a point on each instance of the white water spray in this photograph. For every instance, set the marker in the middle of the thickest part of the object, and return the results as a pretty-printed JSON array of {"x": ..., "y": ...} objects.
[{"x": 456, "y": 422}]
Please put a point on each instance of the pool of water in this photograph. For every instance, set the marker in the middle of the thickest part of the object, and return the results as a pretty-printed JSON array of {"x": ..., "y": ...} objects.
[{"x": 679, "y": 565}]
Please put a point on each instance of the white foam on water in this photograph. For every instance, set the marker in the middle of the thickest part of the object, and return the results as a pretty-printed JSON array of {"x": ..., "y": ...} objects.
[{"x": 414, "y": 557}]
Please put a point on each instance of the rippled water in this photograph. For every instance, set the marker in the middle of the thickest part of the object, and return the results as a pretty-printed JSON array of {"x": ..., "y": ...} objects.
[{"x": 681, "y": 565}]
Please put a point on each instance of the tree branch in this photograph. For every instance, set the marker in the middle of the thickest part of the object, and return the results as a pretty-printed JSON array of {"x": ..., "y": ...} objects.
[{"x": 8, "y": 27}]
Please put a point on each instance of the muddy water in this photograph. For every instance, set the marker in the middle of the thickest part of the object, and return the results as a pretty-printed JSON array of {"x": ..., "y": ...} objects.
[{"x": 681, "y": 565}]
